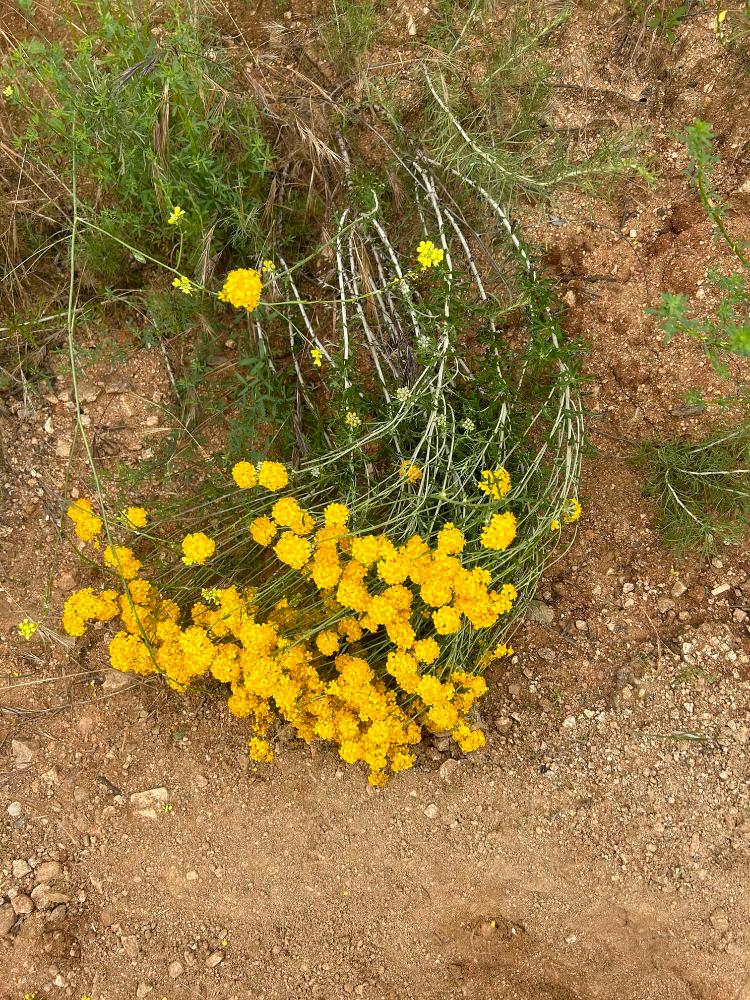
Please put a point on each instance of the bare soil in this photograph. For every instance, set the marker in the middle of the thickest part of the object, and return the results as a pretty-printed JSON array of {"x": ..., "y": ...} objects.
[{"x": 597, "y": 849}]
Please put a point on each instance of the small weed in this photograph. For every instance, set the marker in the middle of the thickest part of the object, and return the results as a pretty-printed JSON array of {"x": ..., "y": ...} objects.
[
  {"x": 350, "y": 32},
  {"x": 701, "y": 491},
  {"x": 727, "y": 328}
]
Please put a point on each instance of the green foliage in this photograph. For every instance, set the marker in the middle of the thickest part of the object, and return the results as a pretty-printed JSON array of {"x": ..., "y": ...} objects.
[
  {"x": 154, "y": 119},
  {"x": 486, "y": 93},
  {"x": 662, "y": 17},
  {"x": 727, "y": 329},
  {"x": 701, "y": 491},
  {"x": 349, "y": 32}
]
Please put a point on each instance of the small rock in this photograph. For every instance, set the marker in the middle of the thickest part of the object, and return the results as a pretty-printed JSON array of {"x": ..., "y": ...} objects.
[
  {"x": 503, "y": 725},
  {"x": 22, "y": 905},
  {"x": 721, "y": 589},
  {"x": 115, "y": 680},
  {"x": 48, "y": 871},
  {"x": 59, "y": 914},
  {"x": 175, "y": 969},
  {"x": 214, "y": 959},
  {"x": 581, "y": 625},
  {"x": 201, "y": 781},
  {"x": 22, "y": 754},
  {"x": 449, "y": 770},
  {"x": 664, "y": 604},
  {"x": 542, "y": 613},
  {"x": 20, "y": 869},
  {"x": 143, "y": 990},
  {"x": 719, "y": 920},
  {"x": 146, "y": 803},
  {"x": 569, "y": 722},
  {"x": 678, "y": 588},
  {"x": 192, "y": 876},
  {"x": 431, "y": 811},
  {"x": 130, "y": 945},
  {"x": 45, "y": 897},
  {"x": 7, "y": 919}
]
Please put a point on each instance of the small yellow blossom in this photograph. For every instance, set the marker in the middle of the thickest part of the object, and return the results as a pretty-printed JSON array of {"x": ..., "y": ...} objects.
[
  {"x": 184, "y": 284},
  {"x": 554, "y": 525},
  {"x": 336, "y": 515},
  {"x": 410, "y": 471},
  {"x": 571, "y": 510},
  {"x": 502, "y": 650},
  {"x": 135, "y": 517},
  {"x": 429, "y": 255},
  {"x": 268, "y": 266},
  {"x": 211, "y": 595},
  {"x": 263, "y": 530},
  {"x": 8, "y": 91},
  {"x": 317, "y": 357},
  {"x": 273, "y": 476},
  {"x": 352, "y": 420},
  {"x": 121, "y": 558},
  {"x": 87, "y": 525},
  {"x": 27, "y": 628},
  {"x": 197, "y": 548},
  {"x": 495, "y": 483},
  {"x": 175, "y": 215},
  {"x": 260, "y": 751},
  {"x": 242, "y": 289},
  {"x": 245, "y": 475},
  {"x": 500, "y": 532}
]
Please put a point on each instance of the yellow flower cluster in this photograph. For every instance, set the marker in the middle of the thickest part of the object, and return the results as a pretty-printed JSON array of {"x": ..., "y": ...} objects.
[
  {"x": 429, "y": 255},
  {"x": 87, "y": 525},
  {"x": 495, "y": 483},
  {"x": 242, "y": 289},
  {"x": 358, "y": 652},
  {"x": 410, "y": 471},
  {"x": 135, "y": 517}
]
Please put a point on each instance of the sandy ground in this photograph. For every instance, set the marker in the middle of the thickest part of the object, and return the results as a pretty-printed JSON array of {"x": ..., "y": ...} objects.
[{"x": 597, "y": 848}]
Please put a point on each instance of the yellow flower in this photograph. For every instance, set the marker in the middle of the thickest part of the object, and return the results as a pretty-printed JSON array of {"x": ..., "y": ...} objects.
[
  {"x": 352, "y": 420},
  {"x": 8, "y": 91},
  {"x": 571, "y": 510},
  {"x": 450, "y": 541},
  {"x": 426, "y": 650},
  {"x": 410, "y": 471},
  {"x": 293, "y": 550},
  {"x": 242, "y": 289},
  {"x": 263, "y": 530},
  {"x": 120, "y": 558},
  {"x": 197, "y": 548},
  {"x": 502, "y": 650},
  {"x": 260, "y": 751},
  {"x": 135, "y": 517},
  {"x": 175, "y": 215},
  {"x": 446, "y": 621},
  {"x": 211, "y": 595},
  {"x": 327, "y": 642},
  {"x": 500, "y": 532},
  {"x": 27, "y": 628},
  {"x": 268, "y": 266},
  {"x": 554, "y": 525},
  {"x": 336, "y": 515},
  {"x": 184, "y": 284},
  {"x": 495, "y": 483},
  {"x": 317, "y": 357},
  {"x": 245, "y": 475},
  {"x": 429, "y": 255},
  {"x": 87, "y": 524},
  {"x": 273, "y": 476}
]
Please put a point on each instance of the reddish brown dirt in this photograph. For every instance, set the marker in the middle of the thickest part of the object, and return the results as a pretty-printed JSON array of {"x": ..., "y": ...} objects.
[{"x": 596, "y": 850}]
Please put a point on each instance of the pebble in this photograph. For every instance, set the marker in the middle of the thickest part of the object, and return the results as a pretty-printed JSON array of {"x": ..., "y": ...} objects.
[
  {"x": 7, "y": 919},
  {"x": 449, "y": 770},
  {"x": 59, "y": 914},
  {"x": 130, "y": 945},
  {"x": 719, "y": 920},
  {"x": 214, "y": 959},
  {"x": 14, "y": 810},
  {"x": 45, "y": 897},
  {"x": 431, "y": 811},
  {"x": 569, "y": 722},
  {"x": 678, "y": 588},
  {"x": 143, "y": 990},
  {"x": 542, "y": 613},
  {"x": 664, "y": 604},
  {"x": 20, "y": 869},
  {"x": 503, "y": 725},
  {"x": 175, "y": 969},
  {"x": 22, "y": 905},
  {"x": 22, "y": 754},
  {"x": 48, "y": 871},
  {"x": 146, "y": 803}
]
